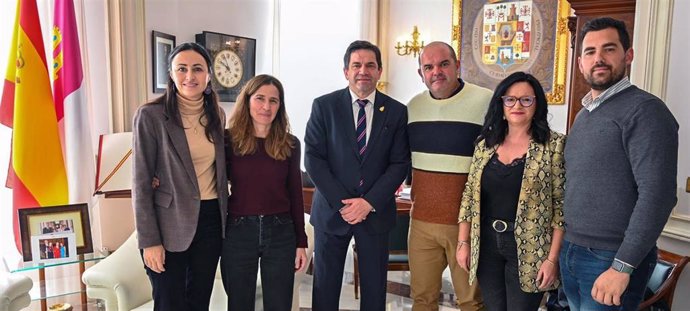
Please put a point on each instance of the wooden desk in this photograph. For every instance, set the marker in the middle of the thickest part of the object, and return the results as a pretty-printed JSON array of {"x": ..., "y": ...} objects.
[{"x": 403, "y": 206}]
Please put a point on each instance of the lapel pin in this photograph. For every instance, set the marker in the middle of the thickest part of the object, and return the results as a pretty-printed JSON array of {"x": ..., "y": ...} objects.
[{"x": 382, "y": 108}]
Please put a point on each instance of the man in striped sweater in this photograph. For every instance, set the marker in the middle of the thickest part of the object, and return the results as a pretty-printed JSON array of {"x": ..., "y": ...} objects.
[{"x": 443, "y": 123}]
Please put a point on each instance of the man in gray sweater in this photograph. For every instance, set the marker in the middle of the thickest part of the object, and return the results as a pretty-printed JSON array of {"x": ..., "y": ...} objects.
[{"x": 621, "y": 164}]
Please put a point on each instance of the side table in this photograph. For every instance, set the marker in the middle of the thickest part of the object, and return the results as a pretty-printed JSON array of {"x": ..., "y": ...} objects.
[{"x": 44, "y": 286}]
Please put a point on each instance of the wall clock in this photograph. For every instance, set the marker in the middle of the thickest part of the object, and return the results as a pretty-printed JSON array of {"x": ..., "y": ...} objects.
[
  {"x": 233, "y": 60},
  {"x": 227, "y": 68}
]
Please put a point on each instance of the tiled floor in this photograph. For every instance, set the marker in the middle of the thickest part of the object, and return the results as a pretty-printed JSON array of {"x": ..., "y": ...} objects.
[
  {"x": 348, "y": 301},
  {"x": 398, "y": 283},
  {"x": 397, "y": 297}
]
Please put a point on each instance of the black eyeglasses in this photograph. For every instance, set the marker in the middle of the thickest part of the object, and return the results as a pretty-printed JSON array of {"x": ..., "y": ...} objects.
[{"x": 525, "y": 101}]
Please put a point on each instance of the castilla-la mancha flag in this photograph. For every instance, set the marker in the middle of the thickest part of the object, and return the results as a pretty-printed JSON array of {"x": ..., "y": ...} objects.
[
  {"x": 71, "y": 104},
  {"x": 37, "y": 171}
]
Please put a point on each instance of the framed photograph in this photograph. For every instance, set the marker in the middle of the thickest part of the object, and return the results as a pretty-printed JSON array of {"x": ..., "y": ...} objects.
[
  {"x": 62, "y": 219},
  {"x": 234, "y": 62},
  {"x": 495, "y": 38},
  {"x": 57, "y": 226},
  {"x": 54, "y": 247},
  {"x": 161, "y": 45}
]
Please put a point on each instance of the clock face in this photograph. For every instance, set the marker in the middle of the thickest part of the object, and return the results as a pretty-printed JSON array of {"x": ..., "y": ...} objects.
[
  {"x": 233, "y": 61},
  {"x": 228, "y": 68}
]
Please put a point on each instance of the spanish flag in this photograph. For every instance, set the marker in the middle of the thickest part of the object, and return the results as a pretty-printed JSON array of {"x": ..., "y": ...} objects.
[{"x": 37, "y": 170}]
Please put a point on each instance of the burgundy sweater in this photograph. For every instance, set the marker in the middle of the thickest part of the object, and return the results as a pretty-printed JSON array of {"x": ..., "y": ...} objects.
[{"x": 262, "y": 185}]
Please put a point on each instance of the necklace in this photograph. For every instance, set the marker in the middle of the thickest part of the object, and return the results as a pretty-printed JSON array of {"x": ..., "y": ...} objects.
[{"x": 193, "y": 125}]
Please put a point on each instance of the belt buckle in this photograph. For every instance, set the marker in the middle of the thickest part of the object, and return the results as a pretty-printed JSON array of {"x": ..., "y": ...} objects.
[{"x": 496, "y": 224}]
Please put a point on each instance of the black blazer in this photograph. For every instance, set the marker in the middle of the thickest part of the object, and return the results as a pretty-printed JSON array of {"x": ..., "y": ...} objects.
[{"x": 333, "y": 162}]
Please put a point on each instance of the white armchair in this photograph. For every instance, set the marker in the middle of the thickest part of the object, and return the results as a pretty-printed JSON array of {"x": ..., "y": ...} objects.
[
  {"x": 14, "y": 291},
  {"x": 121, "y": 282}
]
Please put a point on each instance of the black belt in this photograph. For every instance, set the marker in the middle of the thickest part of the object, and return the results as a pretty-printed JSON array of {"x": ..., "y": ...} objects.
[
  {"x": 257, "y": 217},
  {"x": 501, "y": 225}
]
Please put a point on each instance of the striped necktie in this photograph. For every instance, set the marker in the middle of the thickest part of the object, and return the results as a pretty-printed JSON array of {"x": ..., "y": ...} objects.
[
  {"x": 361, "y": 129},
  {"x": 361, "y": 133}
]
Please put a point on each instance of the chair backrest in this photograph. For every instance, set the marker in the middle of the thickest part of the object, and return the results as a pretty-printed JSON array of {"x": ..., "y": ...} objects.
[
  {"x": 398, "y": 260},
  {"x": 662, "y": 283},
  {"x": 397, "y": 237},
  {"x": 659, "y": 275}
]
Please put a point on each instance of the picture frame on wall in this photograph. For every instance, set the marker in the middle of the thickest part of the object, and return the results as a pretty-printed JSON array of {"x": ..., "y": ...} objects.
[
  {"x": 233, "y": 62},
  {"x": 161, "y": 46},
  {"x": 55, "y": 220},
  {"x": 496, "y": 38}
]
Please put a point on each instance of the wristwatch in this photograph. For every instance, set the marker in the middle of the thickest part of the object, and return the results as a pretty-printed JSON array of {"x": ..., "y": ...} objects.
[{"x": 621, "y": 266}]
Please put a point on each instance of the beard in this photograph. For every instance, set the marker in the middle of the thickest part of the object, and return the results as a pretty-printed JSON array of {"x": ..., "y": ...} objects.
[{"x": 605, "y": 82}]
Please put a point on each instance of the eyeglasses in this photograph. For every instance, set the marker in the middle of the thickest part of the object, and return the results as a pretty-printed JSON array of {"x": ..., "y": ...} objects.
[{"x": 525, "y": 101}]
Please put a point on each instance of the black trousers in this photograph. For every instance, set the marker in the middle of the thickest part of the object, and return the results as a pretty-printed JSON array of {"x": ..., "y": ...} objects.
[
  {"x": 251, "y": 241},
  {"x": 187, "y": 282},
  {"x": 498, "y": 273},
  {"x": 329, "y": 261}
]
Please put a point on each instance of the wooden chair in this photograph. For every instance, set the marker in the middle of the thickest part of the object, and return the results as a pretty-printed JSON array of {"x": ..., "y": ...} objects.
[
  {"x": 397, "y": 250},
  {"x": 663, "y": 282}
]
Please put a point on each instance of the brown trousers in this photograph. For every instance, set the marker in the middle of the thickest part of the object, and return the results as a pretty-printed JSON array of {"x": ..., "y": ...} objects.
[{"x": 431, "y": 249}]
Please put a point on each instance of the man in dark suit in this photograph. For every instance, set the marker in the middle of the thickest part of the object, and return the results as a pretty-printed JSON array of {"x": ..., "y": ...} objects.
[{"x": 357, "y": 154}]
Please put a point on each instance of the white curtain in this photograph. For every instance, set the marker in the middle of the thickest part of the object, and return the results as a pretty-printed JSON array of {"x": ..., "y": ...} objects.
[{"x": 370, "y": 20}]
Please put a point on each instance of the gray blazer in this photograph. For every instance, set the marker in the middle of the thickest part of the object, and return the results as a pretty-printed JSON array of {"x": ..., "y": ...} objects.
[{"x": 168, "y": 215}]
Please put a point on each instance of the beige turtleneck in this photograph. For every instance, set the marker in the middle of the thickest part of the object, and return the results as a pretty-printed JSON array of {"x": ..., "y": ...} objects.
[{"x": 202, "y": 151}]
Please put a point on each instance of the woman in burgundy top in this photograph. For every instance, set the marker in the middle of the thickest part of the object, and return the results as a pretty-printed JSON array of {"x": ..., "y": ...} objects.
[{"x": 265, "y": 209}]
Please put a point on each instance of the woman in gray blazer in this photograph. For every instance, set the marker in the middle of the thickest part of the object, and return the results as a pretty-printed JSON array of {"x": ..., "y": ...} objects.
[{"x": 180, "y": 220}]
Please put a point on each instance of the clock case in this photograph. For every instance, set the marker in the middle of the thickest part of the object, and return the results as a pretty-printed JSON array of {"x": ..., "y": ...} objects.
[{"x": 244, "y": 47}]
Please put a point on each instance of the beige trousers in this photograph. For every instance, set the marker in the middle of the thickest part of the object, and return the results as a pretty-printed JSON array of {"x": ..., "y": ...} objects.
[{"x": 431, "y": 249}]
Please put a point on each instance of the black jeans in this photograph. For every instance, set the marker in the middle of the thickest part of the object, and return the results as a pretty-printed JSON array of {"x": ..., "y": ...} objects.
[
  {"x": 498, "y": 273},
  {"x": 269, "y": 240},
  {"x": 187, "y": 282}
]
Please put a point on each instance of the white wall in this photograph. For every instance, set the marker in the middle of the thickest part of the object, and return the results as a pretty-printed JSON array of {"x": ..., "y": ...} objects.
[
  {"x": 94, "y": 43},
  {"x": 558, "y": 117},
  {"x": 676, "y": 99},
  {"x": 309, "y": 57},
  {"x": 186, "y": 18},
  {"x": 314, "y": 35},
  {"x": 433, "y": 18}
]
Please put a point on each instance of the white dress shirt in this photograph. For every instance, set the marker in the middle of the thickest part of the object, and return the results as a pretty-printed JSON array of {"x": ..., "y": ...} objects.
[{"x": 368, "y": 110}]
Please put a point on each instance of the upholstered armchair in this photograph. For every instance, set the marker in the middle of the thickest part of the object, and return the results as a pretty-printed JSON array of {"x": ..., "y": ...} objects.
[
  {"x": 14, "y": 291},
  {"x": 120, "y": 280}
]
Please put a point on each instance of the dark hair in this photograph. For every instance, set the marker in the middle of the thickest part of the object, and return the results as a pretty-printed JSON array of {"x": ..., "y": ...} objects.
[
  {"x": 451, "y": 50},
  {"x": 361, "y": 45},
  {"x": 279, "y": 142},
  {"x": 604, "y": 23},
  {"x": 169, "y": 99},
  {"x": 496, "y": 127}
]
